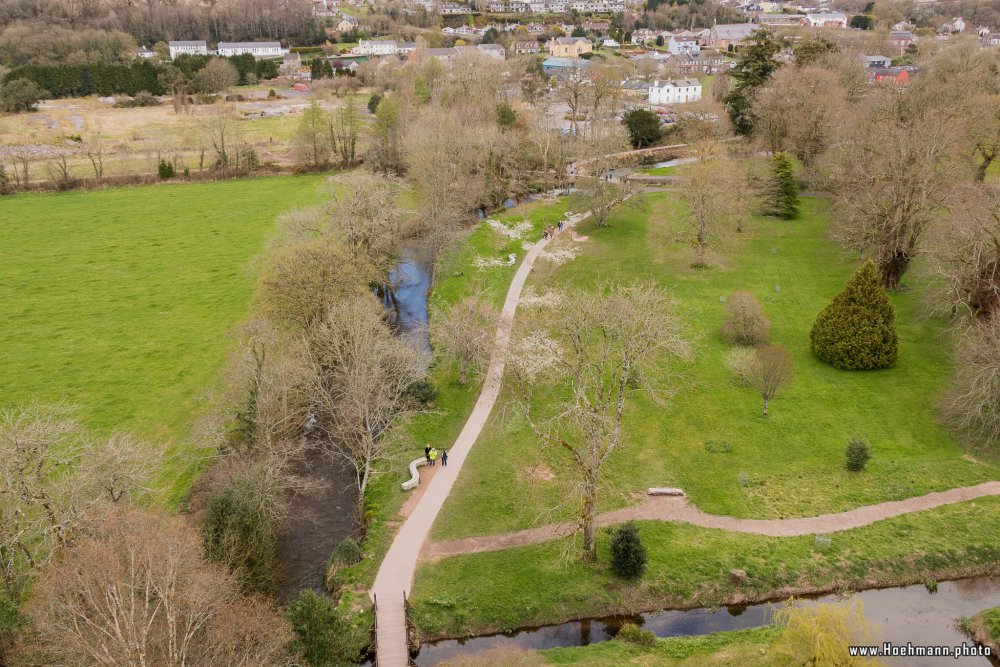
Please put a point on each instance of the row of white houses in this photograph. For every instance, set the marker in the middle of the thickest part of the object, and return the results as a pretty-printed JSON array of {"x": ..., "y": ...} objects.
[{"x": 200, "y": 48}]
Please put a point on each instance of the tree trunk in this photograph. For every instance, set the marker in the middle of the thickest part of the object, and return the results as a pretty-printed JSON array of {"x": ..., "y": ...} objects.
[
  {"x": 982, "y": 167},
  {"x": 765, "y": 406},
  {"x": 588, "y": 515},
  {"x": 892, "y": 270}
]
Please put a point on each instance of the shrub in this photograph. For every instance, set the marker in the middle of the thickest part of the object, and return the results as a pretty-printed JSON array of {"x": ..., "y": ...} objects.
[
  {"x": 20, "y": 95},
  {"x": 423, "y": 391},
  {"x": 628, "y": 554},
  {"x": 373, "y": 103},
  {"x": 858, "y": 453},
  {"x": 165, "y": 170},
  {"x": 857, "y": 331},
  {"x": 144, "y": 98},
  {"x": 347, "y": 552},
  {"x": 633, "y": 634},
  {"x": 322, "y": 636},
  {"x": 740, "y": 362},
  {"x": 745, "y": 323}
]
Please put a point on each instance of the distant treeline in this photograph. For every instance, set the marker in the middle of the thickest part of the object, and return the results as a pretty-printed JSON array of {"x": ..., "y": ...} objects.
[{"x": 100, "y": 78}]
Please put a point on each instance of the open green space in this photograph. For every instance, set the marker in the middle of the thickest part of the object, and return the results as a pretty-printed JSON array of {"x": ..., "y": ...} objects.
[
  {"x": 690, "y": 566},
  {"x": 989, "y": 622},
  {"x": 119, "y": 301},
  {"x": 711, "y": 439}
]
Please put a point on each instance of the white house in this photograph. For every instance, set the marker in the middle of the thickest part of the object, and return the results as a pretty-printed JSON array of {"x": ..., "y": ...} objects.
[
  {"x": 677, "y": 91},
  {"x": 826, "y": 19},
  {"x": 194, "y": 48},
  {"x": 609, "y": 43},
  {"x": 256, "y": 49},
  {"x": 678, "y": 45},
  {"x": 453, "y": 8},
  {"x": 347, "y": 24},
  {"x": 375, "y": 47}
]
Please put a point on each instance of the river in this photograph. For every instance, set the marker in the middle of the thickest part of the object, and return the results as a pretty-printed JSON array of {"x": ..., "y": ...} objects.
[{"x": 905, "y": 614}]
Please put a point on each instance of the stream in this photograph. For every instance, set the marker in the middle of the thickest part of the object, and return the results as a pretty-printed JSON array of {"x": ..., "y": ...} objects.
[{"x": 904, "y": 614}]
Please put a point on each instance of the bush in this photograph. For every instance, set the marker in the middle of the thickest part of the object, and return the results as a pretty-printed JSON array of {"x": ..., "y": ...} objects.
[
  {"x": 643, "y": 127},
  {"x": 20, "y": 95},
  {"x": 423, "y": 391},
  {"x": 740, "y": 362},
  {"x": 628, "y": 554},
  {"x": 165, "y": 170},
  {"x": 633, "y": 634},
  {"x": 373, "y": 103},
  {"x": 858, "y": 453},
  {"x": 857, "y": 331},
  {"x": 745, "y": 323},
  {"x": 346, "y": 553},
  {"x": 322, "y": 637}
]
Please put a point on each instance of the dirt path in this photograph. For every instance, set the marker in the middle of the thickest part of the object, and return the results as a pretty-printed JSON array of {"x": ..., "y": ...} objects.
[
  {"x": 395, "y": 574},
  {"x": 678, "y": 509}
]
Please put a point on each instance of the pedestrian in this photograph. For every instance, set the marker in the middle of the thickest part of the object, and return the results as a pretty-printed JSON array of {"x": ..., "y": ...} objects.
[
  {"x": 545, "y": 233},
  {"x": 560, "y": 225},
  {"x": 427, "y": 453},
  {"x": 433, "y": 455},
  {"x": 444, "y": 457}
]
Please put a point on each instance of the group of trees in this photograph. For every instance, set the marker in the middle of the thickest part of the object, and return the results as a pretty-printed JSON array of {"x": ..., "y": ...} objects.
[{"x": 325, "y": 136}]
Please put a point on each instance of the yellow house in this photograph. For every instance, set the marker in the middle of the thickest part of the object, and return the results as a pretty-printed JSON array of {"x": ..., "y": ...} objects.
[{"x": 569, "y": 47}]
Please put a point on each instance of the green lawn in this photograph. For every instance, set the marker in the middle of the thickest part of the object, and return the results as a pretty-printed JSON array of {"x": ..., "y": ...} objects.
[
  {"x": 690, "y": 566},
  {"x": 788, "y": 464},
  {"x": 119, "y": 301},
  {"x": 989, "y": 621}
]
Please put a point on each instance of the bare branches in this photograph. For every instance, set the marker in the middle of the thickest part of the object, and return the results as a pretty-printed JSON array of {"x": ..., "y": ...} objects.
[
  {"x": 770, "y": 371},
  {"x": 464, "y": 334}
]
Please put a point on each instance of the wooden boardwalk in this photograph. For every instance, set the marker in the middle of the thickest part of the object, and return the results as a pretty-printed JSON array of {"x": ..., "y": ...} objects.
[{"x": 395, "y": 575}]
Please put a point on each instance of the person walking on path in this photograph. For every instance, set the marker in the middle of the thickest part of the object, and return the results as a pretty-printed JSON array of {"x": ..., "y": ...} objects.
[
  {"x": 427, "y": 453},
  {"x": 444, "y": 457},
  {"x": 433, "y": 455}
]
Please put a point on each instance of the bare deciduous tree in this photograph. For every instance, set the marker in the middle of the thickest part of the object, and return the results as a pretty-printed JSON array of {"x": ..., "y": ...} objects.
[
  {"x": 894, "y": 173},
  {"x": 345, "y": 124},
  {"x": 745, "y": 322},
  {"x": 770, "y": 372},
  {"x": 136, "y": 591},
  {"x": 362, "y": 374},
  {"x": 974, "y": 399},
  {"x": 465, "y": 334},
  {"x": 572, "y": 383},
  {"x": 709, "y": 192},
  {"x": 313, "y": 139}
]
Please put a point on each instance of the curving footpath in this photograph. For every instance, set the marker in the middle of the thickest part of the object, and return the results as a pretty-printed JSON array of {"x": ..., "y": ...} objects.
[
  {"x": 678, "y": 509},
  {"x": 395, "y": 575}
]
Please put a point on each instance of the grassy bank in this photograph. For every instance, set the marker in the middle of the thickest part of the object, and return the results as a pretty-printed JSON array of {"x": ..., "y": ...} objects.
[
  {"x": 690, "y": 566},
  {"x": 711, "y": 439},
  {"x": 119, "y": 301}
]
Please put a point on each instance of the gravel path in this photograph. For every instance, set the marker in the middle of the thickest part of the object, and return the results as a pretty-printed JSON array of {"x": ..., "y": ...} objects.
[{"x": 678, "y": 509}]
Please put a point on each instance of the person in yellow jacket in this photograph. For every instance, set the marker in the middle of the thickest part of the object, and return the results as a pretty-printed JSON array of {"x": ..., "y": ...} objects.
[{"x": 434, "y": 455}]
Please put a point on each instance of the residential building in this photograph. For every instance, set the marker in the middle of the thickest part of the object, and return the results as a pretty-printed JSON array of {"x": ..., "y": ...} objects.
[
  {"x": 495, "y": 51},
  {"x": 678, "y": 45},
  {"x": 453, "y": 8},
  {"x": 560, "y": 66},
  {"x": 990, "y": 39},
  {"x": 192, "y": 48},
  {"x": 642, "y": 35},
  {"x": 525, "y": 47},
  {"x": 596, "y": 26},
  {"x": 726, "y": 35},
  {"x": 897, "y": 75},
  {"x": 609, "y": 43},
  {"x": 901, "y": 39},
  {"x": 781, "y": 19},
  {"x": 636, "y": 89},
  {"x": 347, "y": 24},
  {"x": 570, "y": 47},
  {"x": 826, "y": 20},
  {"x": 677, "y": 91},
  {"x": 876, "y": 61},
  {"x": 375, "y": 47},
  {"x": 256, "y": 49},
  {"x": 143, "y": 52}
]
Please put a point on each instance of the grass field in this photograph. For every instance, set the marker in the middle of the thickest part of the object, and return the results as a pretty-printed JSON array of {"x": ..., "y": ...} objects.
[
  {"x": 690, "y": 566},
  {"x": 120, "y": 301},
  {"x": 989, "y": 622},
  {"x": 788, "y": 464}
]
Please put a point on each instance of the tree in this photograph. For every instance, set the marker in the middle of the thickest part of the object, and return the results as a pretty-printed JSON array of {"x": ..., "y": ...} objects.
[
  {"x": 464, "y": 334},
  {"x": 345, "y": 123},
  {"x": 20, "y": 95},
  {"x": 361, "y": 379},
  {"x": 643, "y": 127},
  {"x": 857, "y": 330},
  {"x": 312, "y": 137},
  {"x": 628, "y": 554},
  {"x": 659, "y": 40},
  {"x": 781, "y": 193},
  {"x": 754, "y": 66},
  {"x": 506, "y": 116},
  {"x": 973, "y": 403},
  {"x": 218, "y": 76},
  {"x": 385, "y": 154},
  {"x": 894, "y": 173},
  {"x": 596, "y": 191},
  {"x": 52, "y": 473},
  {"x": 572, "y": 92},
  {"x": 770, "y": 372},
  {"x": 320, "y": 68},
  {"x": 857, "y": 454},
  {"x": 745, "y": 322},
  {"x": 302, "y": 281},
  {"x": 94, "y": 148},
  {"x": 966, "y": 251},
  {"x": 710, "y": 197},
  {"x": 572, "y": 380},
  {"x": 812, "y": 49},
  {"x": 822, "y": 634},
  {"x": 135, "y": 590}
]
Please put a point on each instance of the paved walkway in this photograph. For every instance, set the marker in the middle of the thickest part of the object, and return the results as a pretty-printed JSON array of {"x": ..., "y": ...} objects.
[
  {"x": 395, "y": 575},
  {"x": 675, "y": 508}
]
